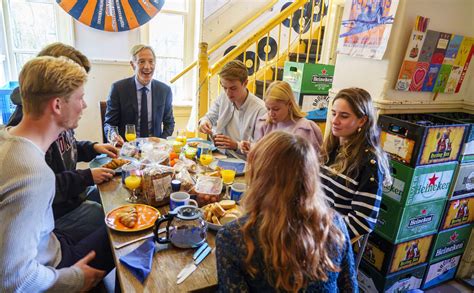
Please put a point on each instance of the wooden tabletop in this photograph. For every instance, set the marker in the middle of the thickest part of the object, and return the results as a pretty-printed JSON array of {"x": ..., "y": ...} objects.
[{"x": 167, "y": 262}]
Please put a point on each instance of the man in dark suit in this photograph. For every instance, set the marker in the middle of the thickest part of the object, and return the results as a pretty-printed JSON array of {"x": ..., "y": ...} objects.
[{"x": 140, "y": 99}]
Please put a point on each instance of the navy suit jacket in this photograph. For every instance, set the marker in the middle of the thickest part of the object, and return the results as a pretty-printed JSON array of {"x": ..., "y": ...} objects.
[{"x": 122, "y": 107}]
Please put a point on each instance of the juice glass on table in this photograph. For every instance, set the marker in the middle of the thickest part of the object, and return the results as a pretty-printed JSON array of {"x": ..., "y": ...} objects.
[
  {"x": 130, "y": 132},
  {"x": 132, "y": 182},
  {"x": 206, "y": 157},
  {"x": 228, "y": 176},
  {"x": 181, "y": 136}
]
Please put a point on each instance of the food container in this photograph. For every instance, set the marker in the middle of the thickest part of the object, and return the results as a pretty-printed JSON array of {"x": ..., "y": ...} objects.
[
  {"x": 208, "y": 190},
  {"x": 156, "y": 184}
]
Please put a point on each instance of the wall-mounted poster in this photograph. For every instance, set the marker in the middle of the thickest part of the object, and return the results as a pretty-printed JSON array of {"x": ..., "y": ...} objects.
[
  {"x": 112, "y": 15},
  {"x": 441, "y": 60},
  {"x": 366, "y": 27}
]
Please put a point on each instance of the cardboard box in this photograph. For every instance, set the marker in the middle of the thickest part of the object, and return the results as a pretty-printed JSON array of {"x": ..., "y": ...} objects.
[
  {"x": 467, "y": 152},
  {"x": 463, "y": 185},
  {"x": 308, "y": 78},
  {"x": 421, "y": 139},
  {"x": 423, "y": 183},
  {"x": 458, "y": 212},
  {"x": 316, "y": 106},
  {"x": 441, "y": 272},
  {"x": 389, "y": 258},
  {"x": 398, "y": 224},
  {"x": 449, "y": 243},
  {"x": 371, "y": 281}
]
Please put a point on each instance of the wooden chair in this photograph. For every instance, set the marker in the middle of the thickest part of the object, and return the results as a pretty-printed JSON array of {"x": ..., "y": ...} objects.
[
  {"x": 359, "y": 242},
  {"x": 102, "y": 108}
]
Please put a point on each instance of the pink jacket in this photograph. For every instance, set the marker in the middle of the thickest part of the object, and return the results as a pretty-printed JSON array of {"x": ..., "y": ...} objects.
[{"x": 304, "y": 127}]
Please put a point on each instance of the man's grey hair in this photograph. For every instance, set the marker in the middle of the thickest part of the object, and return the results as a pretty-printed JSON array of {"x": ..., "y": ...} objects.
[{"x": 138, "y": 48}]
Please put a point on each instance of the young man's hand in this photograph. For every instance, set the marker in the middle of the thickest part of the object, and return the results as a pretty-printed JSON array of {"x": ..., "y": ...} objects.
[
  {"x": 205, "y": 126},
  {"x": 105, "y": 148},
  {"x": 91, "y": 276},
  {"x": 225, "y": 142}
]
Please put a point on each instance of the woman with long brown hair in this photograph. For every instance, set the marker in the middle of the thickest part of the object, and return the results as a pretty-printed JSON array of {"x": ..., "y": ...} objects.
[
  {"x": 289, "y": 238},
  {"x": 354, "y": 166}
]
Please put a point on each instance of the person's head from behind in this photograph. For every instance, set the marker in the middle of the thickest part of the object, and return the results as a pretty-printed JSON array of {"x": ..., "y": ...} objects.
[
  {"x": 53, "y": 85},
  {"x": 281, "y": 104},
  {"x": 143, "y": 63},
  {"x": 59, "y": 49},
  {"x": 234, "y": 78},
  {"x": 293, "y": 220}
]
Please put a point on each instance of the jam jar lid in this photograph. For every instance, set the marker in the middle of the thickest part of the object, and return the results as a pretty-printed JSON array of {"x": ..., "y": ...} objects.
[{"x": 187, "y": 212}]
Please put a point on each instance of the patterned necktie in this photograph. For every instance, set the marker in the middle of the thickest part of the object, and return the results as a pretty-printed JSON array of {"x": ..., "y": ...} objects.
[{"x": 144, "y": 114}]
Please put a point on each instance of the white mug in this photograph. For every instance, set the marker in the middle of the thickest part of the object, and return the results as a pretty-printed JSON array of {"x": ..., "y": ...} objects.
[{"x": 181, "y": 198}]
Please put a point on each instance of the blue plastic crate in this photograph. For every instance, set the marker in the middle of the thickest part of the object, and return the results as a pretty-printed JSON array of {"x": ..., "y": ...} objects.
[{"x": 6, "y": 106}]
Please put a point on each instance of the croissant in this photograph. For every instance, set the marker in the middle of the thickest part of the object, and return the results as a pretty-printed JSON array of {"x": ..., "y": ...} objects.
[
  {"x": 115, "y": 163},
  {"x": 128, "y": 218}
]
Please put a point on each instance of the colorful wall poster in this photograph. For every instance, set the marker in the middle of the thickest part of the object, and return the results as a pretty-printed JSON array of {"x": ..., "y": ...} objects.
[
  {"x": 464, "y": 70},
  {"x": 442, "y": 79},
  {"x": 429, "y": 45},
  {"x": 366, "y": 27},
  {"x": 452, "y": 50},
  {"x": 440, "y": 50},
  {"x": 453, "y": 79},
  {"x": 419, "y": 76},
  {"x": 406, "y": 75}
]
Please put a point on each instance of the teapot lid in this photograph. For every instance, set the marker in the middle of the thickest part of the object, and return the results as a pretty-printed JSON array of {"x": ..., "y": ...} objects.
[{"x": 187, "y": 212}]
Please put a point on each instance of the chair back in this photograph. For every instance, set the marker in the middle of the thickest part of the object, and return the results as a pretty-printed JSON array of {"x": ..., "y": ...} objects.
[{"x": 102, "y": 108}]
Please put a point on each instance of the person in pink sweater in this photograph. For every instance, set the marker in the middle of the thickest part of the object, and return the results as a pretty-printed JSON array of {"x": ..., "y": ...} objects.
[{"x": 284, "y": 114}]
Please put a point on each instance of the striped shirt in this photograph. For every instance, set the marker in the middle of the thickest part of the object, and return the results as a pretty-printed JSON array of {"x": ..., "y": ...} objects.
[{"x": 357, "y": 199}]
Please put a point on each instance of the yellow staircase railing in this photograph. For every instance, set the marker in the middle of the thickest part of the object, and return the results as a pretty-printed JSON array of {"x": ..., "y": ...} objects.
[{"x": 206, "y": 71}]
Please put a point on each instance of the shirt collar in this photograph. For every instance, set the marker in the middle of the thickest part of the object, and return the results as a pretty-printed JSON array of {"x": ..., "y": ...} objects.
[
  {"x": 139, "y": 85},
  {"x": 245, "y": 105}
]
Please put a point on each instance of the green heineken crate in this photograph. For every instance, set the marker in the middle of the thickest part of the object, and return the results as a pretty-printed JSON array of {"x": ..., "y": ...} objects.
[
  {"x": 421, "y": 139},
  {"x": 424, "y": 183},
  {"x": 371, "y": 281},
  {"x": 450, "y": 242},
  {"x": 467, "y": 153},
  {"x": 463, "y": 185},
  {"x": 398, "y": 224},
  {"x": 388, "y": 258},
  {"x": 308, "y": 78}
]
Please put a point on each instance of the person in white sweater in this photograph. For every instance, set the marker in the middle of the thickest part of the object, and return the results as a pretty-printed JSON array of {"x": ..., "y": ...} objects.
[{"x": 32, "y": 257}]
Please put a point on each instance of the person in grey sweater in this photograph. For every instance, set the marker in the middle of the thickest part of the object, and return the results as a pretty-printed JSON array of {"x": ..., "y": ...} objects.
[
  {"x": 32, "y": 257},
  {"x": 233, "y": 115}
]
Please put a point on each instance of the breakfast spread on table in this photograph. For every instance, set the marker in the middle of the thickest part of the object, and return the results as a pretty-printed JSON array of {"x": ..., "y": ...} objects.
[
  {"x": 115, "y": 163},
  {"x": 222, "y": 212}
]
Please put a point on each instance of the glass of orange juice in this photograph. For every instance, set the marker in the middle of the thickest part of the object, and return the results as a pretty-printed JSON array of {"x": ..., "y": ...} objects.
[
  {"x": 130, "y": 132},
  {"x": 206, "y": 157},
  {"x": 132, "y": 182},
  {"x": 181, "y": 136},
  {"x": 228, "y": 176}
]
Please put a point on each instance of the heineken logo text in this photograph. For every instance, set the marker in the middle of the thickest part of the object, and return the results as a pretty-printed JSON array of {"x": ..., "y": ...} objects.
[
  {"x": 420, "y": 221},
  {"x": 430, "y": 187},
  {"x": 444, "y": 250}
]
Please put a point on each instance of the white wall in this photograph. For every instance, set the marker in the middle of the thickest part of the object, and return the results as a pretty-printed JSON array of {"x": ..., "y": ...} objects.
[{"x": 379, "y": 76}]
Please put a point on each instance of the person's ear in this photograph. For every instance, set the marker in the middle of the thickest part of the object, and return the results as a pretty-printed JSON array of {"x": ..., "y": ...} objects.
[
  {"x": 245, "y": 83},
  {"x": 133, "y": 65},
  {"x": 363, "y": 120},
  {"x": 56, "y": 105}
]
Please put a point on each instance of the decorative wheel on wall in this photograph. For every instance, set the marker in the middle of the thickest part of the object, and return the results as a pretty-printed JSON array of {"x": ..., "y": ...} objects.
[{"x": 110, "y": 15}]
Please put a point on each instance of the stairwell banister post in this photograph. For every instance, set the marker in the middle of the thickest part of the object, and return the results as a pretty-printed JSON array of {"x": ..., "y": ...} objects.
[
  {"x": 259, "y": 34},
  {"x": 203, "y": 86}
]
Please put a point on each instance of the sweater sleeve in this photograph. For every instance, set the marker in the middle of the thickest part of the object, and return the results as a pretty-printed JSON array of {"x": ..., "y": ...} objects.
[
  {"x": 85, "y": 151},
  {"x": 24, "y": 204},
  {"x": 347, "y": 277},
  {"x": 366, "y": 201}
]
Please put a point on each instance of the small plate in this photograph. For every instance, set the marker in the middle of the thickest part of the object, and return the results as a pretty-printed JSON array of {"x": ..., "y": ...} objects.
[
  {"x": 240, "y": 166},
  {"x": 213, "y": 226},
  {"x": 147, "y": 216},
  {"x": 103, "y": 159},
  {"x": 197, "y": 139}
]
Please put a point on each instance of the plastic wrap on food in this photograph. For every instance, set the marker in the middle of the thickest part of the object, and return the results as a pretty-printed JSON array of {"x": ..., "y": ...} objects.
[{"x": 156, "y": 184}]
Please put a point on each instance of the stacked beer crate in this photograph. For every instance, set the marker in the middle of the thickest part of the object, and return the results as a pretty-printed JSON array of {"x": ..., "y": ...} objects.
[
  {"x": 424, "y": 150},
  {"x": 456, "y": 226}
]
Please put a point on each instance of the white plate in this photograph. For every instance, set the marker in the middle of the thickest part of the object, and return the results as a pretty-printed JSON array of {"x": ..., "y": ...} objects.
[{"x": 240, "y": 166}]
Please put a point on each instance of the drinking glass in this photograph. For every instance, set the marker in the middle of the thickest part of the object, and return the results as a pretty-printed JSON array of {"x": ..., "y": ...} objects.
[
  {"x": 181, "y": 136},
  {"x": 228, "y": 176},
  {"x": 206, "y": 157},
  {"x": 132, "y": 182},
  {"x": 130, "y": 132},
  {"x": 113, "y": 135}
]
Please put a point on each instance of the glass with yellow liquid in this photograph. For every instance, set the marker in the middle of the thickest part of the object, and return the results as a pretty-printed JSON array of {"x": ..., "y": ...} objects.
[
  {"x": 206, "y": 157},
  {"x": 130, "y": 132},
  {"x": 228, "y": 176},
  {"x": 181, "y": 136},
  {"x": 133, "y": 181}
]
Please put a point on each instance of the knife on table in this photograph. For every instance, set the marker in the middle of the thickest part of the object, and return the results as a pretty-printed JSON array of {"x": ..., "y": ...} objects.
[{"x": 198, "y": 257}]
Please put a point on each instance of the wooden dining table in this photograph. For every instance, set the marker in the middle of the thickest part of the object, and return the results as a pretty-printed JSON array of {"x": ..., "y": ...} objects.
[{"x": 167, "y": 262}]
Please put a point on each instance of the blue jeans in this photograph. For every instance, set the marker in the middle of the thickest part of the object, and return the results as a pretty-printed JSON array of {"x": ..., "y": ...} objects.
[{"x": 85, "y": 219}]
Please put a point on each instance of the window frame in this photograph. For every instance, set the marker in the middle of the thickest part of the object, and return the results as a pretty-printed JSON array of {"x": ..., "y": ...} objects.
[
  {"x": 189, "y": 50},
  {"x": 64, "y": 30}
]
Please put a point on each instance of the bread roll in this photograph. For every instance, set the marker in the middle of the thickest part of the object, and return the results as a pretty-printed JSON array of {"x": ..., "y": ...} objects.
[
  {"x": 215, "y": 220},
  {"x": 228, "y": 218},
  {"x": 227, "y": 204},
  {"x": 218, "y": 210}
]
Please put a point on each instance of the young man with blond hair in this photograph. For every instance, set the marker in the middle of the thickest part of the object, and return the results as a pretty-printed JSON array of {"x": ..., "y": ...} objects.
[
  {"x": 32, "y": 257},
  {"x": 140, "y": 99},
  {"x": 232, "y": 117}
]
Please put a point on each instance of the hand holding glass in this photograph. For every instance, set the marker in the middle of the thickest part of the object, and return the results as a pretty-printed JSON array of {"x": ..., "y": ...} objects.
[{"x": 130, "y": 132}]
